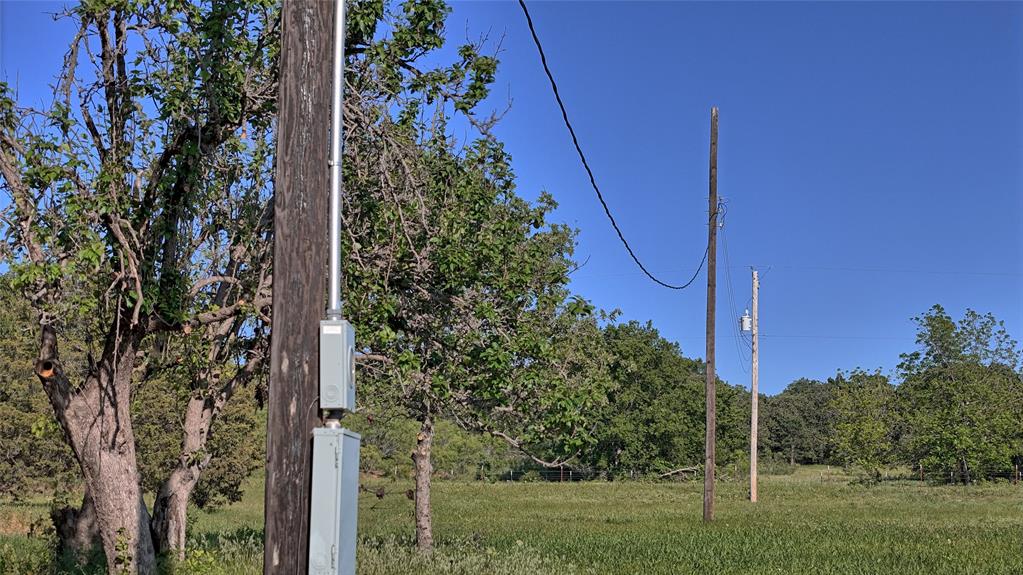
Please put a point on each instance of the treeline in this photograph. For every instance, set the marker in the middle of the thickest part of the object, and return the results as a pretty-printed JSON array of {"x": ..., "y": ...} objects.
[
  {"x": 952, "y": 410},
  {"x": 650, "y": 420}
]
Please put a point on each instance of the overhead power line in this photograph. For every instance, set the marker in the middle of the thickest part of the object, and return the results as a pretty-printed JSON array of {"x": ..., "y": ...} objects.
[
  {"x": 589, "y": 172},
  {"x": 739, "y": 340}
]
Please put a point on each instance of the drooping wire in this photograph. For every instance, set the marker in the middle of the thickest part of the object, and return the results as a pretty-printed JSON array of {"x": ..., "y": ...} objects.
[
  {"x": 740, "y": 348},
  {"x": 589, "y": 172}
]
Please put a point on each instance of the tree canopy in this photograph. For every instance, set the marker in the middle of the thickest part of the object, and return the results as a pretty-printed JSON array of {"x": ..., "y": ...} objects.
[{"x": 962, "y": 396}]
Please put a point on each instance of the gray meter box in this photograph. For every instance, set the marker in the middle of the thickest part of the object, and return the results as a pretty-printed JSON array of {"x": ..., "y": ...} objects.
[
  {"x": 334, "y": 502},
  {"x": 337, "y": 365}
]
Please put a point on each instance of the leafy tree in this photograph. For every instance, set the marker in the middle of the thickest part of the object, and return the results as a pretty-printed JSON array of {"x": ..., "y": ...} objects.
[
  {"x": 865, "y": 418},
  {"x": 135, "y": 217},
  {"x": 556, "y": 385},
  {"x": 962, "y": 396},
  {"x": 456, "y": 284},
  {"x": 799, "y": 423},
  {"x": 139, "y": 218},
  {"x": 654, "y": 421},
  {"x": 733, "y": 426},
  {"x": 655, "y": 414}
]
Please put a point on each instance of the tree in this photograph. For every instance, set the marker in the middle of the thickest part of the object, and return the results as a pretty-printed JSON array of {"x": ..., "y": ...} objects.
[
  {"x": 733, "y": 427},
  {"x": 798, "y": 422},
  {"x": 456, "y": 285},
  {"x": 654, "y": 420},
  {"x": 547, "y": 402},
  {"x": 962, "y": 396},
  {"x": 235, "y": 445},
  {"x": 865, "y": 415},
  {"x": 136, "y": 216},
  {"x": 655, "y": 411},
  {"x": 35, "y": 458},
  {"x": 466, "y": 316}
]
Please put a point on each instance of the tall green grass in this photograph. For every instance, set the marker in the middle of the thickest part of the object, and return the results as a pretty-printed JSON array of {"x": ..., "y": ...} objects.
[{"x": 809, "y": 522}]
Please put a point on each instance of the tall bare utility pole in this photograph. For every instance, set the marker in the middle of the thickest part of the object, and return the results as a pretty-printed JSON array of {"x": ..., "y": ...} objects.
[
  {"x": 754, "y": 422},
  {"x": 711, "y": 393},
  {"x": 300, "y": 221}
]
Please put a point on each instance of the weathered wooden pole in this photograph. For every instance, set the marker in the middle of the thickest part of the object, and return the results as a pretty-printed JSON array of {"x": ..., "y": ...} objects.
[
  {"x": 299, "y": 274},
  {"x": 754, "y": 421},
  {"x": 710, "y": 389}
]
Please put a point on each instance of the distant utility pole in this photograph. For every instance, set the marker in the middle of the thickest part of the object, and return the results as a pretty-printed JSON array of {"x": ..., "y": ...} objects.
[
  {"x": 300, "y": 218},
  {"x": 754, "y": 423},
  {"x": 711, "y": 393}
]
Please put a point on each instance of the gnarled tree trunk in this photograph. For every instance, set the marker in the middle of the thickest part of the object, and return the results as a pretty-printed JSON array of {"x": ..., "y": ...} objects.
[
  {"x": 96, "y": 421},
  {"x": 170, "y": 510},
  {"x": 76, "y": 528},
  {"x": 171, "y": 505},
  {"x": 424, "y": 469}
]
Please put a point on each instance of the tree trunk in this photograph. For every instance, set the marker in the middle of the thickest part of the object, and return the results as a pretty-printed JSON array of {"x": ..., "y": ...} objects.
[
  {"x": 424, "y": 469},
  {"x": 96, "y": 420},
  {"x": 792, "y": 454},
  {"x": 171, "y": 506},
  {"x": 170, "y": 510},
  {"x": 77, "y": 530},
  {"x": 107, "y": 459}
]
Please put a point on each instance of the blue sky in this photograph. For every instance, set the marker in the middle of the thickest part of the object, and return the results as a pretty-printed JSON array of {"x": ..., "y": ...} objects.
[{"x": 870, "y": 154}]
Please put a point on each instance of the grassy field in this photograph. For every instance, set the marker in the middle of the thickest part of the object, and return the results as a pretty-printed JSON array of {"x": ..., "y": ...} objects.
[{"x": 801, "y": 525}]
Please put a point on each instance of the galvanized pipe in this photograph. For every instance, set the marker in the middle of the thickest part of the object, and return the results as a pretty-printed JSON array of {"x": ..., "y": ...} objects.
[{"x": 336, "y": 140}]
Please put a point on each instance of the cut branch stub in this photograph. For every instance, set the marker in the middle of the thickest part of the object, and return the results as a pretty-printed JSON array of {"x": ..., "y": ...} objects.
[{"x": 46, "y": 369}]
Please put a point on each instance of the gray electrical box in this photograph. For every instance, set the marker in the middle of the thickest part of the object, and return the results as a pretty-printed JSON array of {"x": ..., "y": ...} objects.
[
  {"x": 337, "y": 365},
  {"x": 334, "y": 503}
]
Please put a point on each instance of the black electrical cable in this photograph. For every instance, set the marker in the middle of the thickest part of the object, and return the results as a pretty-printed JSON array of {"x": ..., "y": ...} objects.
[{"x": 589, "y": 172}]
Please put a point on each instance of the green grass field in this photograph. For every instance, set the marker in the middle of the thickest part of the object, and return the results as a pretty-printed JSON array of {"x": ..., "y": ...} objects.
[{"x": 801, "y": 525}]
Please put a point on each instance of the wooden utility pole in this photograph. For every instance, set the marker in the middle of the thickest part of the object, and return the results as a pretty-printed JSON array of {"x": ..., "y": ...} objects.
[
  {"x": 754, "y": 397},
  {"x": 711, "y": 393},
  {"x": 299, "y": 275}
]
